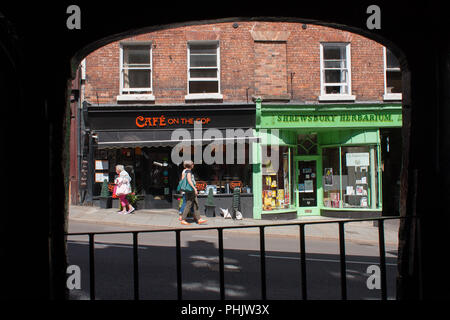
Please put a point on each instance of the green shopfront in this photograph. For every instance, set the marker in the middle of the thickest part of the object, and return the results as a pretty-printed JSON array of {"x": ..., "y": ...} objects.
[{"x": 322, "y": 159}]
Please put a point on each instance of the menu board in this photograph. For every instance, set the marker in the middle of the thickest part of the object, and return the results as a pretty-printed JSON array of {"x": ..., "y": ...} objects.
[
  {"x": 100, "y": 177},
  {"x": 101, "y": 165}
]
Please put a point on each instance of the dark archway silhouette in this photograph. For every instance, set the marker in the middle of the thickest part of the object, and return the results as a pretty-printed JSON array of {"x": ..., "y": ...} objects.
[{"x": 44, "y": 62}]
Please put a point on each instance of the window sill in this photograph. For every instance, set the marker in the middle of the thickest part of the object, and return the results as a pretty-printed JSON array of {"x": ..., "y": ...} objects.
[
  {"x": 136, "y": 97},
  {"x": 392, "y": 96},
  {"x": 337, "y": 97},
  {"x": 203, "y": 96}
]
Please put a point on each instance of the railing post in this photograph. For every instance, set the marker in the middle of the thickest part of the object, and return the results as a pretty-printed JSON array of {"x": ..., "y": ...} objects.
[
  {"x": 178, "y": 253},
  {"x": 342, "y": 259},
  {"x": 262, "y": 247},
  {"x": 382, "y": 259},
  {"x": 303, "y": 261},
  {"x": 135, "y": 266},
  {"x": 221, "y": 265},
  {"x": 91, "y": 267}
]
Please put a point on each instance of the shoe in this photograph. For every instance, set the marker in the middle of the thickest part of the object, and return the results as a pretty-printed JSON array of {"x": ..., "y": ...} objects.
[
  {"x": 185, "y": 222},
  {"x": 131, "y": 211},
  {"x": 201, "y": 221},
  {"x": 122, "y": 212}
]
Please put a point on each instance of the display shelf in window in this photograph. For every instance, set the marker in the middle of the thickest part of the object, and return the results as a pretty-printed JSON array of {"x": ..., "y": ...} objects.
[{"x": 273, "y": 195}]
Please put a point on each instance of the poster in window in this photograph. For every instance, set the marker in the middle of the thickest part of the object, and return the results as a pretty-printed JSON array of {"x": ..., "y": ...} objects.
[
  {"x": 357, "y": 159},
  {"x": 309, "y": 186},
  {"x": 328, "y": 176},
  {"x": 100, "y": 177},
  {"x": 101, "y": 165},
  {"x": 301, "y": 187},
  {"x": 363, "y": 202}
]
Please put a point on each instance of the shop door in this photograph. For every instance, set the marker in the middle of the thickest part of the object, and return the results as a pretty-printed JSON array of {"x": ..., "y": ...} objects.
[{"x": 307, "y": 186}]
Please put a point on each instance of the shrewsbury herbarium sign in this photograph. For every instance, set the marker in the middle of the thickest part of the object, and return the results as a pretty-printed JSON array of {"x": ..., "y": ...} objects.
[{"x": 341, "y": 118}]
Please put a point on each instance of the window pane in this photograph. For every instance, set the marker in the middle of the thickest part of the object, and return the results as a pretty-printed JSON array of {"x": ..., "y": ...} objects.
[
  {"x": 136, "y": 55},
  {"x": 203, "y": 86},
  {"x": 331, "y": 178},
  {"x": 336, "y": 89},
  {"x": 335, "y": 76},
  {"x": 333, "y": 52},
  {"x": 391, "y": 60},
  {"x": 203, "y": 48},
  {"x": 136, "y": 78},
  {"x": 356, "y": 179},
  {"x": 276, "y": 186},
  {"x": 340, "y": 64},
  {"x": 393, "y": 82},
  {"x": 204, "y": 73},
  {"x": 306, "y": 144},
  {"x": 203, "y": 60}
]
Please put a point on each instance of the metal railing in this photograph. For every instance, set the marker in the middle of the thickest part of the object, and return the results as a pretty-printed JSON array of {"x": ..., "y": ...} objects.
[{"x": 302, "y": 253}]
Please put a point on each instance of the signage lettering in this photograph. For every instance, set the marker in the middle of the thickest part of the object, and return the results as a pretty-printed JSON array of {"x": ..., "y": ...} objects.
[
  {"x": 162, "y": 121},
  {"x": 345, "y": 117}
]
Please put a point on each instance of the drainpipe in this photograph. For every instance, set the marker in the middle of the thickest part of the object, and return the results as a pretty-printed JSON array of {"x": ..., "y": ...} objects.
[{"x": 292, "y": 90}]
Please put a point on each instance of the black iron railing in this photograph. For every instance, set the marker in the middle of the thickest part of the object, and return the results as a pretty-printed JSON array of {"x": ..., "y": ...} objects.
[{"x": 262, "y": 228}]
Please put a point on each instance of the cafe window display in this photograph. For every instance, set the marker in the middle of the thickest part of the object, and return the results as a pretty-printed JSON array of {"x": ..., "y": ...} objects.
[
  {"x": 276, "y": 184},
  {"x": 350, "y": 177},
  {"x": 224, "y": 174}
]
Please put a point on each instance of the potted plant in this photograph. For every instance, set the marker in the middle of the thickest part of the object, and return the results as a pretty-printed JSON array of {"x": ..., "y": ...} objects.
[
  {"x": 133, "y": 198},
  {"x": 105, "y": 199},
  {"x": 210, "y": 207}
]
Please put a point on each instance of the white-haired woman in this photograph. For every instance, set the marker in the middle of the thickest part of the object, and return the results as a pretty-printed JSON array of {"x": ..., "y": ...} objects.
[{"x": 123, "y": 189}]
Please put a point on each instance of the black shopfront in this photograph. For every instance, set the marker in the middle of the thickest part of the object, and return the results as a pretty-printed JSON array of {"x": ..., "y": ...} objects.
[{"x": 146, "y": 140}]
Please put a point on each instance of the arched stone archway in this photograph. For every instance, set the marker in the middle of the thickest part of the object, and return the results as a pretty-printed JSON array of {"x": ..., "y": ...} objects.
[{"x": 415, "y": 33}]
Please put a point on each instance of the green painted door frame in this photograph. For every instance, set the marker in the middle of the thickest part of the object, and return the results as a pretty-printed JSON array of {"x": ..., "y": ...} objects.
[{"x": 313, "y": 210}]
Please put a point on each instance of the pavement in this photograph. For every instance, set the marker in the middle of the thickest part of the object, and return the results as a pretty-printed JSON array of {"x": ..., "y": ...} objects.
[{"x": 357, "y": 231}]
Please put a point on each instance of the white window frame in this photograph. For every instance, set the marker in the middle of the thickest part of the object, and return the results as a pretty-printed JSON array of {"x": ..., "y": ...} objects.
[
  {"x": 200, "y": 96},
  {"x": 389, "y": 96},
  {"x": 340, "y": 96},
  {"x": 134, "y": 94}
]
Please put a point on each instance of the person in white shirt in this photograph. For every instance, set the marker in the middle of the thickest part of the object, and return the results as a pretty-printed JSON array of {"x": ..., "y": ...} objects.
[{"x": 123, "y": 189}]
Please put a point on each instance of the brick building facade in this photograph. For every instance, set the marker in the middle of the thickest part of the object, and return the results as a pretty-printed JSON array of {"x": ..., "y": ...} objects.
[
  {"x": 278, "y": 60},
  {"x": 244, "y": 66}
]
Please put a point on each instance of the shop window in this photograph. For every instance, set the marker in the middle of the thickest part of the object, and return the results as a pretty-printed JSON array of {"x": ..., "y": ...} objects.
[
  {"x": 393, "y": 76},
  {"x": 203, "y": 67},
  {"x": 331, "y": 178},
  {"x": 356, "y": 177},
  {"x": 105, "y": 167},
  {"x": 276, "y": 184},
  {"x": 136, "y": 68},
  {"x": 224, "y": 176},
  {"x": 307, "y": 144},
  {"x": 159, "y": 174},
  {"x": 350, "y": 177}
]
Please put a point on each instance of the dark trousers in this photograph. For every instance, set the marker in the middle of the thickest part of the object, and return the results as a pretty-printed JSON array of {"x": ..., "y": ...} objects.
[{"x": 191, "y": 202}]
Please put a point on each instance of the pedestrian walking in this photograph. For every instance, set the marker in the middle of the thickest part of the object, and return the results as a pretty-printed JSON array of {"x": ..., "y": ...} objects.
[
  {"x": 191, "y": 194},
  {"x": 123, "y": 189},
  {"x": 183, "y": 203}
]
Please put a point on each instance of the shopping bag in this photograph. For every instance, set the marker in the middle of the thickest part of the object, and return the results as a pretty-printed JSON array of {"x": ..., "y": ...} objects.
[{"x": 184, "y": 185}]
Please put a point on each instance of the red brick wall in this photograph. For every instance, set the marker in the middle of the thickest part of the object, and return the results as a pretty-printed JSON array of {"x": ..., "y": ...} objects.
[
  {"x": 270, "y": 68},
  {"x": 262, "y": 57}
]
